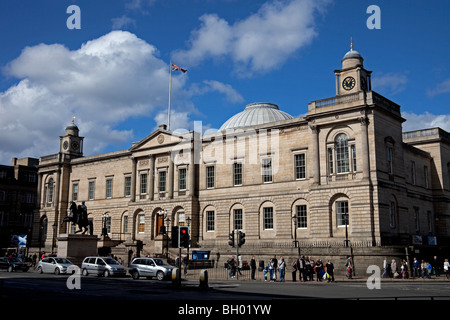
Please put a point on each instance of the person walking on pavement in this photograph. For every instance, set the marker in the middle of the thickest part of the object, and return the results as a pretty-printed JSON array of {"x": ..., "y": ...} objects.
[
  {"x": 282, "y": 268},
  {"x": 330, "y": 271},
  {"x": 253, "y": 267}
]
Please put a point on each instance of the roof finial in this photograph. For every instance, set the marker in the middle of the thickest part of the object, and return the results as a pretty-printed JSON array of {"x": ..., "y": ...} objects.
[
  {"x": 351, "y": 44},
  {"x": 73, "y": 119}
]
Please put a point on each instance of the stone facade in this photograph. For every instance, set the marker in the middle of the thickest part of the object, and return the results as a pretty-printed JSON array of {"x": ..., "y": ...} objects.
[{"x": 345, "y": 171}]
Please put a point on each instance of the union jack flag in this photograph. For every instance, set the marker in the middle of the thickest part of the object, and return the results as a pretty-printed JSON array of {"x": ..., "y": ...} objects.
[{"x": 177, "y": 68}]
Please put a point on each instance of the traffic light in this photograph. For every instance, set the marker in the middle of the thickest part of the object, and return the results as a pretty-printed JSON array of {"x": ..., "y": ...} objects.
[
  {"x": 183, "y": 237},
  {"x": 175, "y": 237},
  {"x": 231, "y": 239},
  {"x": 241, "y": 238}
]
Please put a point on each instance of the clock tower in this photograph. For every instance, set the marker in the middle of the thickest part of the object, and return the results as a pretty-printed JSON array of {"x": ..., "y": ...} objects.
[
  {"x": 352, "y": 77},
  {"x": 71, "y": 143}
]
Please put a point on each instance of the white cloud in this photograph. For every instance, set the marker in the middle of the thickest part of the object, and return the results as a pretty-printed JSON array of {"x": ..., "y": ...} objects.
[
  {"x": 390, "y": 82},
  {"x": 443, "y": 87},
  {"x": 123, "y": 22},
  {"x": 105, "y": 82},
  {"x": 261, "y": 42},
  {"x": 213, "y": 85},
  {"x": 425, "y": 120}
]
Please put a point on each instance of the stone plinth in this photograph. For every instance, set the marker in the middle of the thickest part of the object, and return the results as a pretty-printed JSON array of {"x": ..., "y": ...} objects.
[{"x": 76, "y": 247}]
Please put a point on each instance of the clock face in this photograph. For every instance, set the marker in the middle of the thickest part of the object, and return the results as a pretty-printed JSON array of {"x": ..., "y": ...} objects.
[
  {"x": 65, "y": 145},
  {"x": 348, "y": 83},
  {"x": 75, "y": 145}
]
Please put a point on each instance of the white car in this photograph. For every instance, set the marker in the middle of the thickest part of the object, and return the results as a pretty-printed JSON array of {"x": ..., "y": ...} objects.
[{"x": 54, "y": 265}]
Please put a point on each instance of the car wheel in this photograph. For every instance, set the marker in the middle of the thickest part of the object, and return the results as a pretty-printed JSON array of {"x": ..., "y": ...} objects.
[
  {"x": 10, "y": 269},
  {"x": 160, "y": 275},
  {"x": 106, "y": 274},
  {"x": 85, "y": 272},
  {"x": 135, "y": 275},
  {"x": 40, "y": 270},
  {"x": 57, "y": 271}
]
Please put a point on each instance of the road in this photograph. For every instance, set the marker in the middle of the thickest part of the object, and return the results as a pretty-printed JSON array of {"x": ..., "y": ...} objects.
[{"x": 42, "y": 288}]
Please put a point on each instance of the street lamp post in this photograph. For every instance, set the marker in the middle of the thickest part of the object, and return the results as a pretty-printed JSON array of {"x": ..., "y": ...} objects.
[
  {"x": 295, "y": 219},
  {"x": 162, "y": 229}
]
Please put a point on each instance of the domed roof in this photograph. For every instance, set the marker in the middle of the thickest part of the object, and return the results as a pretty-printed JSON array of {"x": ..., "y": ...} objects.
[
  {"x": 352, "y": 54},
  {"x": 254, "y": 114}
]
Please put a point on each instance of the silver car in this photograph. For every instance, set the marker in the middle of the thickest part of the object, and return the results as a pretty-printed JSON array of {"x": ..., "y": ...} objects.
[
  {"x": 54, "y": 265},
  {"x": 149, "y": 267},
  {"x": 102, "y": 266}
]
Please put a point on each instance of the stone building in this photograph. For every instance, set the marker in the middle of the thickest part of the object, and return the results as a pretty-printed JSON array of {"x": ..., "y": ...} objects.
[
  {"x": 18, "y": 187},
  {"x": 343, "y": 179}
]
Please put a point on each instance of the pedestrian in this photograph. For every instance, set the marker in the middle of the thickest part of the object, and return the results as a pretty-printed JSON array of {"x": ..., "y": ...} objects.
[
  {"x": 404, "y": 268},
  {"x": 385, "y": 268},
  {"x": 446, "y": 268},
  {"x": 272, "y": 270},
  {"x": 232, "y": 267},
  {"x": 294, "y": 268},
  {"x": 301, "y": 269},
  {"x": 311, "y": 268},
  {"x": 253, "y": 267},
  {"x": 34, "y": 258},
  {"x": 275, "y": 263},
  {"x": 423, "y": 268},
  {"x": 349, "y": 267},
  {"x": 319, "y": 270},
  {"x": 429, "y": 270},
  {"x": 436, "y": 266},
  {"x": 282, "y": 268},
  {"x": 265, "y": 272},
  {"x": 416, "y": 268},
  {"x": 185, "y": 262},
  {"x": 394, "y": 269},
  {"x": 330, "y": 271}
]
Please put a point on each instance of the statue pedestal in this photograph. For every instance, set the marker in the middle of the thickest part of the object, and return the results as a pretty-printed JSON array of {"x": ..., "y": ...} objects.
[{"x": 76, "y": 247}]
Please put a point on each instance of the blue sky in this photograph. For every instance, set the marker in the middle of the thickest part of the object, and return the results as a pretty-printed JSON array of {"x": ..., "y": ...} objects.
[{"x": 112, "y": 74}]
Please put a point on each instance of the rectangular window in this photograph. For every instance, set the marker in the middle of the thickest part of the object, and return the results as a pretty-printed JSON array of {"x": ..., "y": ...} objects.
[
  {"x": 75, "y": 192},
  {"x": 237, "y": 174},
  {"x": 416, "y": 218},
  {"x": 181, "y": 219},
  {"x": 302, "y": 221},
  {"x": 91, "y": 190},
  {"x": 392, "y": 213},
  {"x": 266, "y": 170},
  {"x": 210, "y": 177},
  {"x": 268, "y": 218},
  {"x": 425, "y": 177},
  {"x": 389, "y": 153},
  {"x": 141, "y": 223},
  {"x": 127, "y": 190},
  {"x": 430, "y": 221},
  {"x": 109, "y": 184},
  {"x": 353, "y": 147},
  {"x": 182, "y": 179},
  {"x": 330, "y": 161},
  {"x": 143, "y": 184},
  {"x": 342, "y": 213},
  {"x": 209, "y": 220},
  {"x": 300, "y": 166},
  {"x": 162, "y": 181},
  {"x": 237, "y": 216},
  {"x": 413, "y": 172}
]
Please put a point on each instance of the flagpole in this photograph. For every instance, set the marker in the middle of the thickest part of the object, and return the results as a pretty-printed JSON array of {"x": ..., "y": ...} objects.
[{"x": 170, "y": 92}]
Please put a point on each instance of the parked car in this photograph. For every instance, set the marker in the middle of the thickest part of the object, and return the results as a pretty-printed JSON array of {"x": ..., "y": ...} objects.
[
  {"x": 54, "y": 265},
  {"x": 13, "y": 264},
  {"x": 102, "y": 266},
  {"x": 149, "y": 267}
]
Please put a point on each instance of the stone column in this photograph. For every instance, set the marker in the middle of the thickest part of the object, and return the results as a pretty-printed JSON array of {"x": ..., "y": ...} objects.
[
  {"x": 151, "y": 186},
  {"x": 365, "y": 148},
  {"x": 315, "y": 157},
  {"x": 170, "y": 178},
  {"x": 133, "y": 179}
]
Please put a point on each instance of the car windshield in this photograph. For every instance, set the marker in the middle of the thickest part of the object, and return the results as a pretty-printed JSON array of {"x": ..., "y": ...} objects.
[
  {"x": 110, "y": 261},
  {"x": 62, "y": 260},
  {"x": 12, "y": 259}
]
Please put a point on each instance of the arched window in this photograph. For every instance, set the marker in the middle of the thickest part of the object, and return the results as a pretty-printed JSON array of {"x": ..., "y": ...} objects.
[
  {"x": 50, "y": 191},
  {"x": 342, "y": 153}
]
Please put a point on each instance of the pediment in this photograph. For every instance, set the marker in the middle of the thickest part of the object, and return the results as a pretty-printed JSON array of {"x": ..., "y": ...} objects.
[{"x": 157, "y": 139}]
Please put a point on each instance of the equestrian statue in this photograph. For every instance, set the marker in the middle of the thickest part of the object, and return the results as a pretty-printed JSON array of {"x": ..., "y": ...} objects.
[{"x": 79, "y": 216}]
